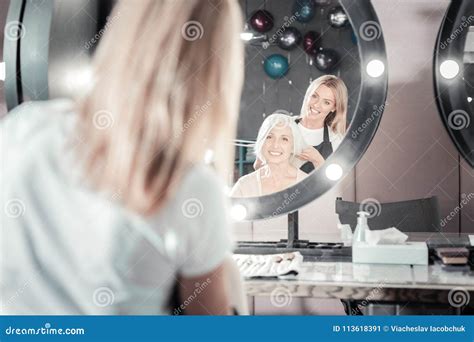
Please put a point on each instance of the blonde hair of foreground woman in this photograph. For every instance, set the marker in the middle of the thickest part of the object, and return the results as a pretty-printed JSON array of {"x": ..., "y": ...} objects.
[
  {"x": 168, "y": 74},
  {"x": 337, "y": 121}
]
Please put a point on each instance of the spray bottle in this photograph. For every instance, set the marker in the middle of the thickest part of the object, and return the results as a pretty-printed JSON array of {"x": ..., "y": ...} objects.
[{"x": 361, "y": 228}]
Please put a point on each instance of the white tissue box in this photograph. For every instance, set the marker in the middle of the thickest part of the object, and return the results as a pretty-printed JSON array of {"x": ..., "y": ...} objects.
[{"x": 409, "y": 253}]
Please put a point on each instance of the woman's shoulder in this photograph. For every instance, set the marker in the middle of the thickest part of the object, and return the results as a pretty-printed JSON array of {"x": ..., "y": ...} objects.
[
  {"x": 199, "y": 190},
  {"x": 201, "y": 179},
  {"x": 248, "y": 178},
  {"x": 30, "y": 118},
  {"x": 300, "y": 175},
  {"x": 335, "y": 135},
  {"x": 336, "y": 139},
  {"x": 246, "y": 185}
]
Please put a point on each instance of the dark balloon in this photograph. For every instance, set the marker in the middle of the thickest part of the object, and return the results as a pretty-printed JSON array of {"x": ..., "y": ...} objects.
[
  {"x": 276, "y": 66},
  {"x": 289, "y": 39},
  {"x": 337, "y": 17},
  {"x": 303, "y": 10},
  {"x": 261, "y": 21},
  {"x": 354, "y": 38},
  {"x": 322, "y": 2},
  {"x": 311, "y": 41},
  {"x": 326, "y": 60}
]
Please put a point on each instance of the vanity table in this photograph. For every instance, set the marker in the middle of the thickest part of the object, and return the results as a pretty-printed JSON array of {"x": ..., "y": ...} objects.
[{"x": 335, "y": 276}]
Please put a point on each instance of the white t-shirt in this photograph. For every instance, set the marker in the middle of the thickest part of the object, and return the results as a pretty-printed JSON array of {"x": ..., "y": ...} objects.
[
  {"x": 65, "y": 249},
  {"x": 314, "y": 137}
]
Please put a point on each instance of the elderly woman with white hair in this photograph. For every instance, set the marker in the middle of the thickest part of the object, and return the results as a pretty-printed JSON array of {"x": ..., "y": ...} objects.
[{"x": 278, "y": 143}]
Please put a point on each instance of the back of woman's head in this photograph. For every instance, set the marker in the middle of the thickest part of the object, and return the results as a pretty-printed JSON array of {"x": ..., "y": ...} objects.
[{"x": 168, "y": 77}]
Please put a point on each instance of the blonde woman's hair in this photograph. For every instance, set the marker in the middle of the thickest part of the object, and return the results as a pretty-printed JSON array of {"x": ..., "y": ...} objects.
[
  {"x": 336, "y": 120},
  {"x": 168, "y": 80},
  {"x": 279, "y": 119}
]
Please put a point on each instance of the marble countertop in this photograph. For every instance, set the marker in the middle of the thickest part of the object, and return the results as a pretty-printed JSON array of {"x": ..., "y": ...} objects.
[{"x": 345, "y": 280}]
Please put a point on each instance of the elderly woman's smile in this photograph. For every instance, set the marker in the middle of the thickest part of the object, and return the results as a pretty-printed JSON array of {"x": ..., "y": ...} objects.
[{"x": 278, "y": 145}]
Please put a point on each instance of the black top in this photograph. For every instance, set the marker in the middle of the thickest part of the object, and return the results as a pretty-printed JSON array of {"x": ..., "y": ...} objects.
[{"x": 325, "y": 149}]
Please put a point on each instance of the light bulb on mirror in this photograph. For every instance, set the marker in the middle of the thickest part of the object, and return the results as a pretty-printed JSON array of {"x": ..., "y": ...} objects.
[
  {"x": 449, "y": 69},
  {"x": 375, "y": 68},
  {"x": 334, "y": 172},
  {"x": 238, "y": 212}
]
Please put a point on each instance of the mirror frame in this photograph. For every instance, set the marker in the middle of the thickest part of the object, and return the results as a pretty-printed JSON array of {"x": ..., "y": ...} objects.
[
  {"x": 372, "y": 96},
  {"x": 11, "y": 54},
  {"x": 451, "y": 95}
]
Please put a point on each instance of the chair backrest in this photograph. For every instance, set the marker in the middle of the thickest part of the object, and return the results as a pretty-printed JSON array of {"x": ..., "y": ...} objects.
[{"x": 419, "y": 215}]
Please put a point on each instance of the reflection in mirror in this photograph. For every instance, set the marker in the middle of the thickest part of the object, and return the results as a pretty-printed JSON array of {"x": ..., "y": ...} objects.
[
  {"x": 279, "y": 143},
  {"x": 302, "y": 65}
]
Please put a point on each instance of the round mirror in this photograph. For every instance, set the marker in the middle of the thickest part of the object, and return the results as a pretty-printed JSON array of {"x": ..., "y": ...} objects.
[
  {"x": 48, "y": 45},
  {"x": 314, "y": 94},
  {"x": 454, "y": 75}
]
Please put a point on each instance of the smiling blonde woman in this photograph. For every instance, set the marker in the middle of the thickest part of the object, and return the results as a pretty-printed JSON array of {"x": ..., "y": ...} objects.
[
  {"x": 323, "y": 119},
  {"x": 116, "y": 205}
]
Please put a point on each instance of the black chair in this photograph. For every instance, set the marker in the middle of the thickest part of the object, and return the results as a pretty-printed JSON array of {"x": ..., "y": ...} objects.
[{"x": 419, "y": 215}]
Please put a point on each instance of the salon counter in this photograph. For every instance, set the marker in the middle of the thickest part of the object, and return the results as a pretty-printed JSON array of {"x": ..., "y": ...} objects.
[
  {"x": 342, "y": 279},
  {"x": 388, "y": 283}
]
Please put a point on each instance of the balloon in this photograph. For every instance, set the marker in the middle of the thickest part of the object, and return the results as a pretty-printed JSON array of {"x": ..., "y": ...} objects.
[
  {"x": 261, "y": 21},
  {"x": 326, "y": 59},
  {"x": 303, "y": 10},
  {"x": 276, "y": 66},
  {"x": 337, "y": 17},
  {"x": 354, "y": 38},
  {"x": 322, "y": 2},
  {"x": 311, "y": 42},
  {"x": 289, "y": 39}
]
